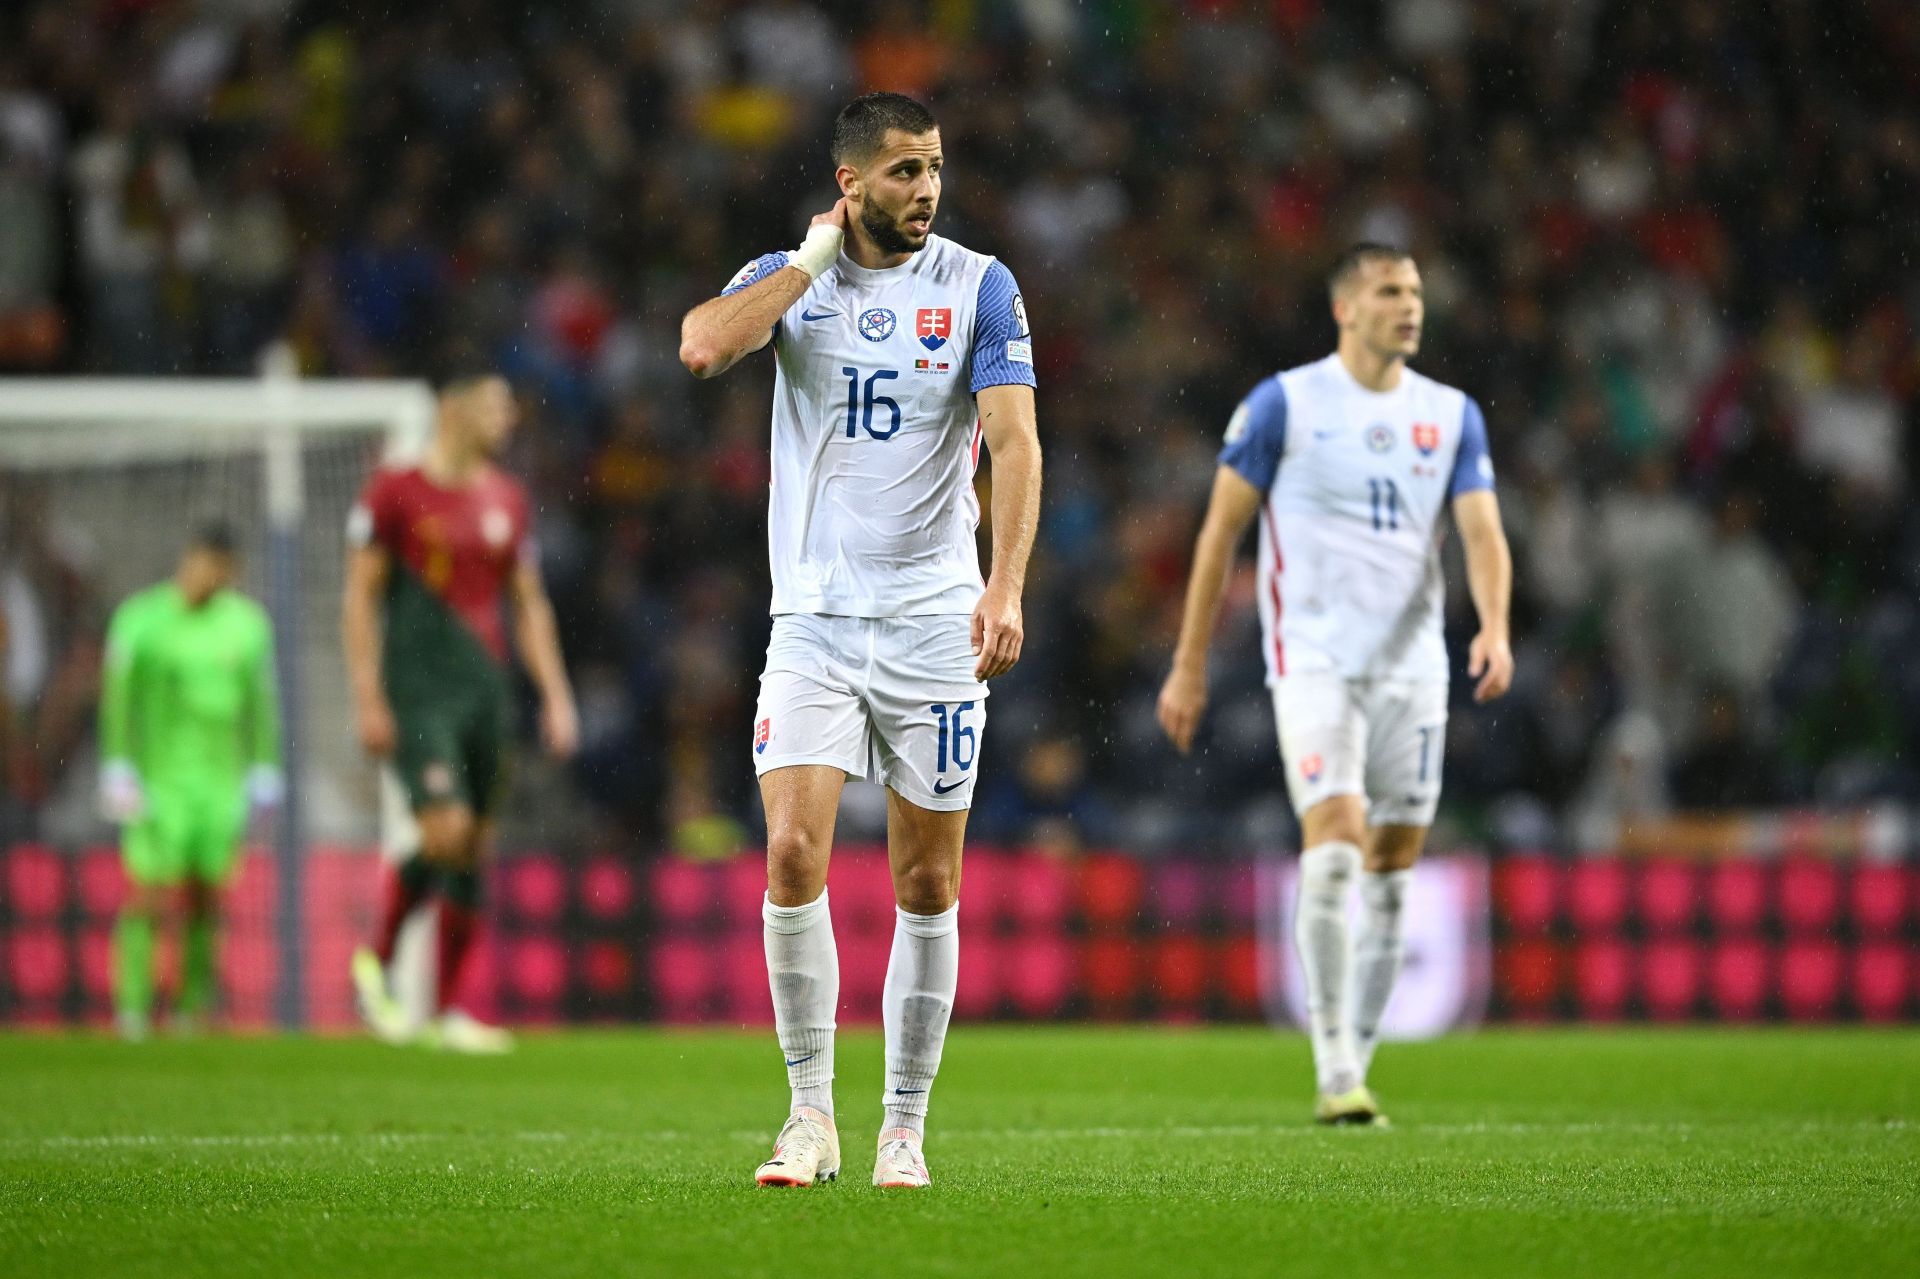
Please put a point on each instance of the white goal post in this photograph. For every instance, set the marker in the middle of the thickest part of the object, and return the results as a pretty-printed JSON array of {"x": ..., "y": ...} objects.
[{"x": 119, "y": 471}]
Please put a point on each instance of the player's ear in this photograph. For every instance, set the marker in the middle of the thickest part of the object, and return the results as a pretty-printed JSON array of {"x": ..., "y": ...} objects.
[{"x": 849, "y": 179}]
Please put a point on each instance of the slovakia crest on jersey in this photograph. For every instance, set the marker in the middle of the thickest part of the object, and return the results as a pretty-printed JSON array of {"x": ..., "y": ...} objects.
[
  {"x": 933, "y": 326},
  {"x": 1426, "y": 437}
]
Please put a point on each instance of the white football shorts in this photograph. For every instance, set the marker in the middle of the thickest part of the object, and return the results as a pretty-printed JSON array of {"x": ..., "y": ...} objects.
[
  {"x": 890, "y": 699},
  {"x": 1379, "y": 739}
]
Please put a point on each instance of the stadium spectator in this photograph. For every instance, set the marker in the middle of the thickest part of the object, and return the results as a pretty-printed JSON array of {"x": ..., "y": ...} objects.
[{"x": 1668, "y": 257}]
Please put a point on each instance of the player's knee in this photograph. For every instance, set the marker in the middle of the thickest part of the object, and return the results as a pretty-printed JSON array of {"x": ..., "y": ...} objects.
[
  {"x": 793, "y": 847},
  {"x": 446, "y": 836},
  {"x": 1393, "y": 849},
  {"x": 926, "y": 888},
  {"x": 1341, "y": 819},
  {"x": 1327, "y": 870},
  {"x": 796, "y": 865},
  {"x": 1384, "y": 861}
]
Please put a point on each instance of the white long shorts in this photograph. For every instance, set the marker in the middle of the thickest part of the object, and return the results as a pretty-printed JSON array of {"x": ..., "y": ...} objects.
[
  {"x": 890, "y": 699},
  {"x": 1379, "y": 739}
]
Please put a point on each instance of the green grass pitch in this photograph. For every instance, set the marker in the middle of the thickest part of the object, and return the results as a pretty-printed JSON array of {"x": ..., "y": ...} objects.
[{"x": 1060, "y": 1151}]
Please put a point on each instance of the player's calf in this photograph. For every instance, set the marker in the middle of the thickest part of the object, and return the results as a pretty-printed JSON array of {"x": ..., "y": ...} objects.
[{"x": 1327, "y": 872}]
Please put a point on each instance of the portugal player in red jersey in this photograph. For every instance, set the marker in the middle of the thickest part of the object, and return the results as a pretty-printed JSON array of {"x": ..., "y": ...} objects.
[{"x": 437, "y": 546}]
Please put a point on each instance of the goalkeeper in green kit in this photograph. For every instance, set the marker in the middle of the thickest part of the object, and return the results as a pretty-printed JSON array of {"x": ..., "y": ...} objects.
[{"x": 189, "y": 749}]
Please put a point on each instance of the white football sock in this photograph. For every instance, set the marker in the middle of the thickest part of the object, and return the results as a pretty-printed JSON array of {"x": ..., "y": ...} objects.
[
  {"x": 922, "y": 975},
  {"x": 1376, "y": 956},
  {"x": 803, "y": 968},
  {"x": 1320, "y": 932}
]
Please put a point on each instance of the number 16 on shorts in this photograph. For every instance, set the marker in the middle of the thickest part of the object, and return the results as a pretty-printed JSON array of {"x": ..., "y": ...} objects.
[{"x": 955, "y": 743}]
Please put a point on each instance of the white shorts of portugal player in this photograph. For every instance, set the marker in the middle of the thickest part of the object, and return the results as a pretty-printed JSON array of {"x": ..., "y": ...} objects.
[
  {"x": 890, "y": 699},
  {"x": 1377, "y": 738}
]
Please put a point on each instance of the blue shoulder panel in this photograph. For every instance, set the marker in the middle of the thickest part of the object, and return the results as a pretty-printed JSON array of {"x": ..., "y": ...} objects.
[
  {"x": 1002, "y": 345},
  {"x": 1257, "y": 435},
  {"x": 1472, "y": 465}
]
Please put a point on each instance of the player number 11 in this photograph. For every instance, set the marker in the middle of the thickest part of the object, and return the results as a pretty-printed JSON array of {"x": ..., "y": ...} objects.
[{"x": 1386, "y": 504}]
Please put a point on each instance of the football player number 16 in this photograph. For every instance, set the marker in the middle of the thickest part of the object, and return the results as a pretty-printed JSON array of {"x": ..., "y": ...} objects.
[
  {"x": 960, "y": 734},
  {"x": 861, "y": 407}
]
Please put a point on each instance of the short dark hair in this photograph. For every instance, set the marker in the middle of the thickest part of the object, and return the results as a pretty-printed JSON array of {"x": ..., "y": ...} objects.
[
  {"x": 457, "y": 365},
  {"x": 216, "y": 535},
  {"x": 1348, "y": 264},
  {"x": 862, "y": 124}
]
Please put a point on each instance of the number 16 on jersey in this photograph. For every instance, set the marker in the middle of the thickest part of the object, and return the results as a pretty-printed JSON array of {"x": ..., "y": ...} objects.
[
  {"x": 864, "y": 414},
  {"x": 960, "y": 733}
]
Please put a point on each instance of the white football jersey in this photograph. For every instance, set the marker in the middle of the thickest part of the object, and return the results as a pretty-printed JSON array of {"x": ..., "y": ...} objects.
[
  {"x": 875, "y": 432},
  {"x": 1356, "y": 482}
]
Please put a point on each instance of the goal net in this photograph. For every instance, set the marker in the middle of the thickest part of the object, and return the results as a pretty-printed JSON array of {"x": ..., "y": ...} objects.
[{"x": 107, "y": 479}]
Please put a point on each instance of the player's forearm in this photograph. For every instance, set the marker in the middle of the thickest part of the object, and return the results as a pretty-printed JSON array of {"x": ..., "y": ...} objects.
[
  {"x": 537, "y": 637},
  {"x": 1490, "y": 579},
  {"x": 360, "y": 637},
  {"x": 719, "y": 333},
  {"x": 1016, "y": 508},
  {"x": 1206, "y": 586}
]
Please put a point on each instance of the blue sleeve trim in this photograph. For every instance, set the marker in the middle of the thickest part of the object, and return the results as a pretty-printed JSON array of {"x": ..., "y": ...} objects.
[
  {"x": 1002, "y": 346},
  {"x": 755, "y": 271},
  {"x": 1472, "y": 464},
  {"x": 1257, "y": 435}
]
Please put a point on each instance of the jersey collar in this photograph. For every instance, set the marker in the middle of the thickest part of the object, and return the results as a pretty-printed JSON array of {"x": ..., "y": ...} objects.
[
  {"x": 865, "y": 275},
  {"x": 1347, "y": 379}
]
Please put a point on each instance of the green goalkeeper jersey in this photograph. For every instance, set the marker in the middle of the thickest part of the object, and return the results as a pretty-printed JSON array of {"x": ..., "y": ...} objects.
[{"x": 189, "y": 696}]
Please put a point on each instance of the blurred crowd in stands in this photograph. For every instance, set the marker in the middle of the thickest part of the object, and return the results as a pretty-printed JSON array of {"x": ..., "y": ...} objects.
[{"x": 1671, "y": 248}]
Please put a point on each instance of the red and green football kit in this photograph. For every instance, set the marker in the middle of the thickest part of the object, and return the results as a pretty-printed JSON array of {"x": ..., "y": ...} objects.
[{"x": 444, "y": 653}]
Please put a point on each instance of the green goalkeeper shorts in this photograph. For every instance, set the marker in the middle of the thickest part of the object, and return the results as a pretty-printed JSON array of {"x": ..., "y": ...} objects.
[
  {"x": 189, "y": 832},
  {"x": 453, "y": 750}
]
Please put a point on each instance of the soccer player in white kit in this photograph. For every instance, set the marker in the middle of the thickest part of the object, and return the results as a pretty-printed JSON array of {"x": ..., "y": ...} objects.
[
  {"x": 1350, "y": 463},
  {"x": 896, "y": 352}
]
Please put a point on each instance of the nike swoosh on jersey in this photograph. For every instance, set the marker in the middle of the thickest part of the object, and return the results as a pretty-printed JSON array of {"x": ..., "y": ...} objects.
[
  {"x": 941, "y": 788},
  {"x": 824, "y": 315}
]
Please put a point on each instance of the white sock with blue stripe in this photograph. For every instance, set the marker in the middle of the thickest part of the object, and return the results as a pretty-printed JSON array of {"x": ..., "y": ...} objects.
[
  {"x": 803, "y": 968},
  {"x": 1327, "y": 872},
  {"x": 1376, "y": 956},
  {"x": 922, "y": 975}
]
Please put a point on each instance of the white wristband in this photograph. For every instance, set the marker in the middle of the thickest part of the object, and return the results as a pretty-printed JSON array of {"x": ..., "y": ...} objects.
[{"x": 820, "y": 250}]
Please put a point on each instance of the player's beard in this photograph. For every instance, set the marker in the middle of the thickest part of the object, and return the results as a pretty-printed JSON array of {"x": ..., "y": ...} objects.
[{"x": 885, "y": 231}]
